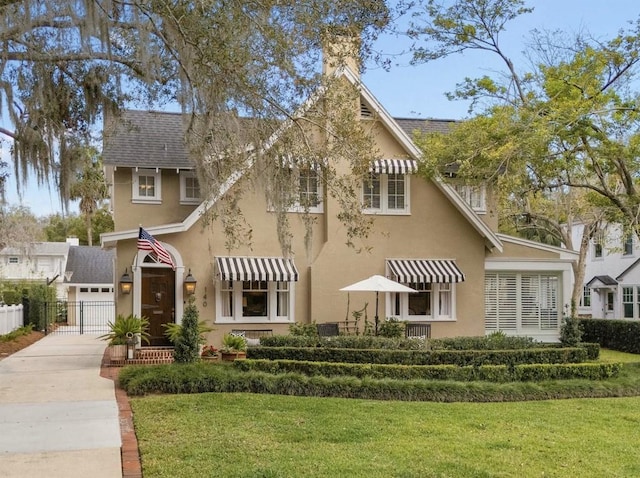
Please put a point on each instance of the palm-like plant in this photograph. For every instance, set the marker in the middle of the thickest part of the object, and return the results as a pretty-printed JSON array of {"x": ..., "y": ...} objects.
[{"x": 126, "y": 326}]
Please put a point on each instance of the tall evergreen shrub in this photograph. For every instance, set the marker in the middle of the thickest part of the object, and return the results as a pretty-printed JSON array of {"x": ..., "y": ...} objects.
[{"x": 187, "y": 344}]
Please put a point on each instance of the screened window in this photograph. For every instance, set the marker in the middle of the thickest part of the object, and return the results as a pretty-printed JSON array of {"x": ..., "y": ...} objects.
[{"x": 386, "y": 193}]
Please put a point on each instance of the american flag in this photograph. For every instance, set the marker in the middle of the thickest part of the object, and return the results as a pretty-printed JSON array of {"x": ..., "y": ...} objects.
[{"x": 146, "y": 242}]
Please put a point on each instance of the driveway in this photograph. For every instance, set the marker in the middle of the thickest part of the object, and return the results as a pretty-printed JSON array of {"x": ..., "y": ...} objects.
[{"x": 58, "y": 417}]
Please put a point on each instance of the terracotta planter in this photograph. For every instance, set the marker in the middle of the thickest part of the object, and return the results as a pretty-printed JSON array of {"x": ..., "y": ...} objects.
[
  {"x": 231, "y": 356},
  {"x": 210, "y": 358}
]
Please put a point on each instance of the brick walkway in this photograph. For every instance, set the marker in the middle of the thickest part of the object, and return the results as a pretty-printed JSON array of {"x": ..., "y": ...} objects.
[{"x": 131, "y": 465}]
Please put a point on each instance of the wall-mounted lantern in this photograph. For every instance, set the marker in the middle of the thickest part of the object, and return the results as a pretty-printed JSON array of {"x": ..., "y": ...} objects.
[
  {"x": 126, "y": 283},
  {"x": 190, "y": 284}
]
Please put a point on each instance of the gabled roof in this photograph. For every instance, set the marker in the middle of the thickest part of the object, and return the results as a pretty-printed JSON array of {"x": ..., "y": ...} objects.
[
  {"x": 396, "y": 130},
  {"x": 628, "y": 269},
  {"x": 38, "y": 249},
  {"x": 90, "y": 265},
  {"x": 604, "y": 280},
  {"x": 146, "y": 139},
  {"x": 563, "y": 252}
]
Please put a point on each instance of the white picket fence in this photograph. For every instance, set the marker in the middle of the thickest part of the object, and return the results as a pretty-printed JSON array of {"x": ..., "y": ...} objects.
[{"x": 11, "y": 318}]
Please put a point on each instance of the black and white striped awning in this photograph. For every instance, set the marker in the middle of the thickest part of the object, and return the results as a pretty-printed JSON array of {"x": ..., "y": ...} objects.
[
  {"x": 425, "y": 271},
  {"x": 256, "y": 269},
  {"x": 394, "y": 166}
]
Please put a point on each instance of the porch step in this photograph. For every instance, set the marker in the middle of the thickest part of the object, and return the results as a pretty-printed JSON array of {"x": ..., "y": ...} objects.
[{"x": 147, "y": 356}]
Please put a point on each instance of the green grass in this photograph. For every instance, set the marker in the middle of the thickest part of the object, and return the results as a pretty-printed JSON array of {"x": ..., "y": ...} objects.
[
  {"x": 246, "y": 435},
  {"x": 267, "y": 436}
]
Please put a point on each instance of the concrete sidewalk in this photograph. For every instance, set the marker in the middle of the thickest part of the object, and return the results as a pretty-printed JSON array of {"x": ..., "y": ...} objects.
[{"x": 58, "y": 417}]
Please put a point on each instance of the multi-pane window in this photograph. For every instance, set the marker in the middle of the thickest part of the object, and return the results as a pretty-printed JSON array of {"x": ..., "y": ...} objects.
[
  {"x": 627, "y": 246},
  {"x": 309, "y": 196},
  {"x": 189, "y": 187},
  {"x": 598, "y": 241},
  {"x": 627, "y": 302},
  {"x": 13, "y": 260},
  {"x": 474, "y": 195},
  {"x": 433, "y": 301},
  {"x": 252, "y": 301},
  {"x": 586, "y": 296},
  {"x": 386, "y": 193},
  {"x": 146, "y": 185}
]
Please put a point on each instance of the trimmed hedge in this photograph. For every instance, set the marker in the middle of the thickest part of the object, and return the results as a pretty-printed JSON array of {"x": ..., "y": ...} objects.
[
  {"x": 345, "y": 342},
  {"x": 419, "y": 357},
  {"x": 492, "y": 373},
  {"x": 199, "y": 378},
  {"x": 495, "y": 341},
  {"x": 621, "y": 335}
]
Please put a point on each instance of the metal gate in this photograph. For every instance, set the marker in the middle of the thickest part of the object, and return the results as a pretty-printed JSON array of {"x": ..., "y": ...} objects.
[{"x": 77, "y": 318}]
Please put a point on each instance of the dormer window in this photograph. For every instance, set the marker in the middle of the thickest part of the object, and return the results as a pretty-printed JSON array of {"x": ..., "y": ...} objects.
[
  {"x": 147, "y": 186},
  {"x": 386, "y": 189},
  {"x": 627, "y": 246},
  {"x": 189, "y": 188},
  {"x": 474, "y": 196}
]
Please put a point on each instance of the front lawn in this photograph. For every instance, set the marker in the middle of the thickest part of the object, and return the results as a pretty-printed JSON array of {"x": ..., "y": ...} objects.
[{"x": 250, "y": 435}]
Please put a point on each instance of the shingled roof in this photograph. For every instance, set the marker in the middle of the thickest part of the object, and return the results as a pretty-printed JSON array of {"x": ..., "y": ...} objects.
[
  {"x": 146, "y": 139},
  {"x": 90, "y": 265},
  {"x": 155, "y": 139}
]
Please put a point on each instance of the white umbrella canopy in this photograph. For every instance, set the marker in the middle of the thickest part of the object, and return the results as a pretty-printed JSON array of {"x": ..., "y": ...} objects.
[{"x": 377, "y": 283}]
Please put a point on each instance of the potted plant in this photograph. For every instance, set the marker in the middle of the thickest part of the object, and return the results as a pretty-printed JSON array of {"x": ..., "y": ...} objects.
[
  {"x": 123, "y": 331},
  {"x": 233, "y": 347},
  {"x": 209, "y": 353}
]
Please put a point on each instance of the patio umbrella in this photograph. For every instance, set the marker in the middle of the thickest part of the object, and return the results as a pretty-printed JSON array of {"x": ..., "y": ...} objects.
[{"x": 377, "y": 284}]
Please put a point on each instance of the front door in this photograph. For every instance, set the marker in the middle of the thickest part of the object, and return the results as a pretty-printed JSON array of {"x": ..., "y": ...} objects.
[{"x": 158, "y": 301}]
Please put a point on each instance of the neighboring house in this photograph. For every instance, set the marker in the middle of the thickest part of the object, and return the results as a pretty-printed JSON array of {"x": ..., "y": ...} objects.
[
  {"x": 37, "y": 261},
  {"x": 611, "y": 287},
  {"x": 89, "y": 281},
  {"x": 443, "y": 243}
]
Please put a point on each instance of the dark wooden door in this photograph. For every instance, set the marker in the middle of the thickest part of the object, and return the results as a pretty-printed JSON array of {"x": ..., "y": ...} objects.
[{"x": 158, "y": 301}]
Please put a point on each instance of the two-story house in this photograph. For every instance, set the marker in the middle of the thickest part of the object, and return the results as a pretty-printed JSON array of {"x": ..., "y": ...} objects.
[
  {"x": 442, "y": 242},
  {"x": 611, "y": 288}
]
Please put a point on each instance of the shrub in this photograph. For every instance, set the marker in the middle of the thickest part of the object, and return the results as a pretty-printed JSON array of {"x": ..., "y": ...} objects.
[
  {"x": 391, "y": 328},
  {"x": 187, "y": 344},
  {"x": 304, "y": 330},
  {"x": 495, "y": 341},
  {"x": 422, "y": 357},
  {"x": 346, "y": 341},
  {"x": 492, "y": 373},
  {"x": 621, "y": 335},
  {"x": 570, "y": 333},
  {"x": 198, "y": 378}
]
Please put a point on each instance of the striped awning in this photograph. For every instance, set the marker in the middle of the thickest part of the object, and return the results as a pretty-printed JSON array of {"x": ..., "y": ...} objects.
[
  {"x": 425, "y": 271},
  {"x": 394, "y": 166},
  {"x": 256, "y": 269}
]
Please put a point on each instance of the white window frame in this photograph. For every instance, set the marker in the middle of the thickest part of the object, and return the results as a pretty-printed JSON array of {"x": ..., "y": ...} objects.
[
  {"x": 475, "y": 195},
  {"x": 236, "y": 317},
  {"x": 627, "y": 245},
  {"x": 298, "y": 205},
  {"x": 136, "y": 197},
  {"x": 437, "y": 291},
  {"x": 184, "y": 198},
  {"x": 384, "y": 208}
]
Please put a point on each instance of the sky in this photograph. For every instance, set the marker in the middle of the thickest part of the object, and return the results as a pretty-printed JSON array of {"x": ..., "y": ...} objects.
[{"x": 419, "y": 91}]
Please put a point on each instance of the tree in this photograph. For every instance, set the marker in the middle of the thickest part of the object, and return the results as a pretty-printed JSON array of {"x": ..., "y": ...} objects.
[
  {"x": 19, "y": 228},
  {"x": 90, "y": 188},
  {"x": 241, "y": 69},
  {"x": 58, "y": 228},
  {"x": 570, "y": 124}
]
